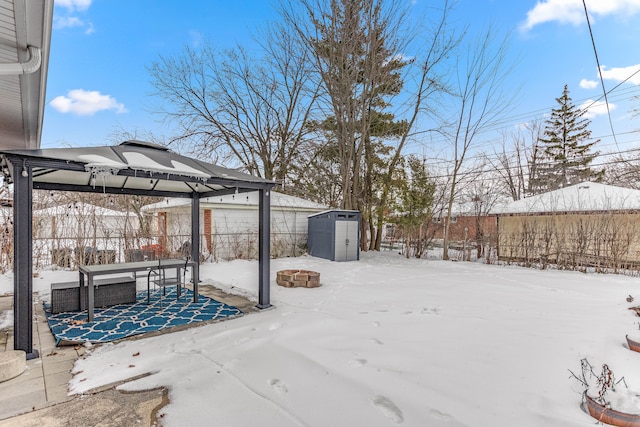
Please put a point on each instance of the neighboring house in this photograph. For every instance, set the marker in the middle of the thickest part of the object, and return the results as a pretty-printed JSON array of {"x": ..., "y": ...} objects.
[
  {"x": 587, "y": 224},
  {"x": 61, "y": 230},
  {"x": 472, "y": 222},
  {"x": 465, "y": 227},
  {"x": 230, "y": 224},
  {"x": 82, "y": 220}
]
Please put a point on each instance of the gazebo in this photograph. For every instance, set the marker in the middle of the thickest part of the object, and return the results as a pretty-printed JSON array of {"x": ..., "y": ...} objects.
[{"x": 133, "y": 167}]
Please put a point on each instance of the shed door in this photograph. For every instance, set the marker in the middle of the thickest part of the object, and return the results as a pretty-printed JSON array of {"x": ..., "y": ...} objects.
[{"x": 346, "y": 240}]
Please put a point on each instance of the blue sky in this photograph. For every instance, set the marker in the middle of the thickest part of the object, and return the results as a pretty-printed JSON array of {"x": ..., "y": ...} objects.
[{"x": 98, "y": 81}]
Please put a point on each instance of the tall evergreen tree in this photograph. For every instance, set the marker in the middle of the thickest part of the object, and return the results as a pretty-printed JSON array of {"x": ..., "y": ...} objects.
[
  {"x": 564, "y": 152},
  {"x": 355, "y": 57},
  {"x": 415, "y": 206}
]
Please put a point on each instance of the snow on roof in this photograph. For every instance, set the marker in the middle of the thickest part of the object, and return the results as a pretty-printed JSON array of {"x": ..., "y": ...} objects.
[
  {"x": 78, "y": 208},
  {"x": 583, "y": 197},
  {"x": 242, "y": 199}
]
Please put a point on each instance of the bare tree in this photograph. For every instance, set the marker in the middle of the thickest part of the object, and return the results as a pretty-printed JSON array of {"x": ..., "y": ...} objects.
[
  {"x": 437, "y": 44},
  {"x": 479, "y": 103},
  {"x": 368, "y": 55},
  {"x": 518, "y": 153},
  {"x": 624, "y": 170},
  {"x": 233, "y": 106},
  {"x": 356, "y": 49},
  {"x": 481, "y": 195}
]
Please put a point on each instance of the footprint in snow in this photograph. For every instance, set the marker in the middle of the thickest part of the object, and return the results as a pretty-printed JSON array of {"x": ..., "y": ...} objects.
[
  {"x": 358, "y": 363},
  {"x": 278, "y": 385},
  {"x": 441, "y": 415},
  {"x": 276, "y": 326},
  {"x": 388, "y": 409},
  {"x": 241, "y": 340}
]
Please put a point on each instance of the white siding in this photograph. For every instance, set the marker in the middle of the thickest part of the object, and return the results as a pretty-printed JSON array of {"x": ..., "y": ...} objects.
[{"x": 234, "y": 230}]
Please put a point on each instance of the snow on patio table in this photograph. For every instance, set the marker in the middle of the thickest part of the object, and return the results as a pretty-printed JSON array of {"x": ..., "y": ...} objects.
[{"x": 387, "y": 341}]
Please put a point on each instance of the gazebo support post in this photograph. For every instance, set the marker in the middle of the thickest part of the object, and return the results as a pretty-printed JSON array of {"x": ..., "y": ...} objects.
[
  {"x": 264, "y": 248},
  {"x": 195, "y": 242},
  {"x": 22, "y": 261}
]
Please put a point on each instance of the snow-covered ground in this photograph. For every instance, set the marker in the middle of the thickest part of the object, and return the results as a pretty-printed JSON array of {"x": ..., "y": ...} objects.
[{"x": 385, "y": 341}]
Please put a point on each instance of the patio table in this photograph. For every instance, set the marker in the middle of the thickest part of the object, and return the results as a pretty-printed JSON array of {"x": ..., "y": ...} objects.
[{"x": 91, "y": 271}]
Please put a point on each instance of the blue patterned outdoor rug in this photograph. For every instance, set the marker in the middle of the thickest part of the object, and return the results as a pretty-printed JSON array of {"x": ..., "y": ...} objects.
[{"x": 124, "y": 320}]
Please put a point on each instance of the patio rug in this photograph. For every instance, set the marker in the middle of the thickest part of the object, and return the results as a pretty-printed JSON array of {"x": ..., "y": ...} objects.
[{"x": 124, "y": 320}]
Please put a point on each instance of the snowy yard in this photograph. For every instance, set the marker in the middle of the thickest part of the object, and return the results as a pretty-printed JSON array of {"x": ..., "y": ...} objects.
[{"x": 385, "y": 341}]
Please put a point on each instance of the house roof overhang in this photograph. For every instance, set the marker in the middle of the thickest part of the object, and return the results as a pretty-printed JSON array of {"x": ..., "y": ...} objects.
[
  {"x": 25, "y": 39},
  {"x": 133, "y": 167}
]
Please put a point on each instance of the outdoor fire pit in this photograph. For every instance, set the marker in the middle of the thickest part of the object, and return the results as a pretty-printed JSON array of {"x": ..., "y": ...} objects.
[{"x": 298, "y": 278}]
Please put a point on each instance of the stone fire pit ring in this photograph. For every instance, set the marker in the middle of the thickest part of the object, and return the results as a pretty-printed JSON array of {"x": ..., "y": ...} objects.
[{"x": 298, "y": 278}]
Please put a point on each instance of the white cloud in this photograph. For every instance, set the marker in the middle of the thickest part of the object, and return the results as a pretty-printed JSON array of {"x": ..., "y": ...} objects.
[
  {"x": 597, "y": 108},
  {"x": 86, "y": 103},
  {"x": 623, "y": 73},
  {"x": 60, "y": 22},
  {"x": 572, "y": 11},
  {"x": 588, "y": 84},
  {"x": 68, "y": 19},
  {"x": 196, "y": 38},
  {"x": 74, "y": 4},
  {"x": 89, "y": 28}
]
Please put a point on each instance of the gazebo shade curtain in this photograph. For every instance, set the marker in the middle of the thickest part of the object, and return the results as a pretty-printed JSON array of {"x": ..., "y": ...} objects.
[{"x": 133, "y": 167}]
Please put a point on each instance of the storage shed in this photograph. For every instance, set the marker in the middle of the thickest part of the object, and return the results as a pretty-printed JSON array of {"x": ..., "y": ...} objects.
[{"x": 335, "y": 235}]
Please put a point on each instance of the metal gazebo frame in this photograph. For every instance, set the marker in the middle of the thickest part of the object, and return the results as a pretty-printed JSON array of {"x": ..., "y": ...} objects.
[{"x": 133, "y": 167}]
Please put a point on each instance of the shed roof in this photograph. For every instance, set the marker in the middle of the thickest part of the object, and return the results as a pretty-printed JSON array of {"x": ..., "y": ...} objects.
[{"x": 583, "y": 197}]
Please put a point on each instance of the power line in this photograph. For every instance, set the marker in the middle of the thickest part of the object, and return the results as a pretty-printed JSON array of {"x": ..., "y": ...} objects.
[
  {"x": 524, "y": 116},
  {"x": 595, "y": 52},
  {"x": 496, "y": 157},
  {"x": 516, "y": 167},
  {"x": 479, "y": 156},
  {"x": 507, "y": 122}
]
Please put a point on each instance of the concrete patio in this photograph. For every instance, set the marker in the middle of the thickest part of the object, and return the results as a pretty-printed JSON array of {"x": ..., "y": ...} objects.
[{"x": 38, "y": 396}]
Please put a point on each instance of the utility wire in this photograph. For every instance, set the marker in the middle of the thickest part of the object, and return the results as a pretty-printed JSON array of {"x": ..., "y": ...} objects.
[
  {"x": 433, "y": 164},
  {"x": 508, "y": 122},
  {"x": 595, "y": 51},
  {"x": 505, "y": 169}
]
